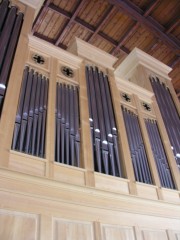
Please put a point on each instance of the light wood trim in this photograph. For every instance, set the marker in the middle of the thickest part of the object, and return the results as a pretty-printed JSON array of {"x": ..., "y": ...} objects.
[
  {"x": 97, "y": 231},
  {"x": 167, "y": 146},
  {"x": 50, "y": 133},
  {"x": 46, "y": 227},
  {"x": 86, "y": 143},
  {"x": 123, "y": 141},
  {"x": 14, "y": 85},
  {"x": 152, "y": 165}
]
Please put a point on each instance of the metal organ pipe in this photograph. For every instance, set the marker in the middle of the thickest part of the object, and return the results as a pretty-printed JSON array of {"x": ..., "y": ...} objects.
[
  {"x": 159, "y": 154},
  {"x": 10, "y": 26},
  {"x": 169, "y": 114},
  {"x": 67, "y": 148},
  {"x": 102, "y": 122},
  {"x": 137, "y": 149},
  {"x": 30, "y": 123}
]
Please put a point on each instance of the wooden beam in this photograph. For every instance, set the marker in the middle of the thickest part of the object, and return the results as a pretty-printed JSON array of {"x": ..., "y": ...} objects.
[
  {"x": 146, "y": 22},
  {"x": 40, "y": 16},
  {"x": 87, "y": 26},
  {"x": 71, "y": 20},
  {"x": 110, "y": 11},
  {"x": 135, "y": 26}
]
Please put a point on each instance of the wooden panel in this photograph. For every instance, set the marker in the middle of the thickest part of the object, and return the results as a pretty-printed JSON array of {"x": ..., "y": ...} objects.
[
  {"x": 110, "y": 232},
  {"x": 140, "y": 39},
  {"x": 69, "y": 174},
  {"x": 75, "y": 30},
  {"x": 16, "y": 225},
  {"x": 93, "y": 10},
  {"x": 26, "y": 163},
  {"x": 149, "y": 234},
  {"x": 147, "y": 191},
  {"x": 66, "y": 5},
  {"x": 97, "y": 41},
  {"x": 166, "y": 11},
  {"x": 72, "y": 230},
  {"x": 117, "y": 26},
  {"x": 111, "y": 183},
  {"x": 171, "y": 195}
]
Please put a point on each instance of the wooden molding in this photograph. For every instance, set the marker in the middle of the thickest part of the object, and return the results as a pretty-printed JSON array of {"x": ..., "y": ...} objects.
[
  {"x": 54, "y": 51},
  {"x": 130, "y": 87},
  {"x": 94, "y": 54},
  {"x": 138, "y": 57}
]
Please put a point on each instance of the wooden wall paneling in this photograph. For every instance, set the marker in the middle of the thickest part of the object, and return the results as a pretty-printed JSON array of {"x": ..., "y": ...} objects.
[
  {"x": 151, "y": 161},
  {"x": 86, "y": 143},
  {"x": 113, "y": 232},
  {"x": 50, "y": 132},
  {"x": 123, "y": 141},
  {"x": 14, "y": 85},
  {"x": 45, "y": 227},
  {"x": 18, "y": 225},
  {"x": 66, "y": 229},
  {"x": 167, "y": 145},
  {"x": 151, "y": 234}
]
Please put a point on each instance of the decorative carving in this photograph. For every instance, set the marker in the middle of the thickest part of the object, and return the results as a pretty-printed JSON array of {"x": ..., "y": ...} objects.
[
  {"x": 126, "y": 97},
  {"x": 67, "y": 71},
  {"x": 38, "y": 59},
  {"x": 146, "y": 106}
]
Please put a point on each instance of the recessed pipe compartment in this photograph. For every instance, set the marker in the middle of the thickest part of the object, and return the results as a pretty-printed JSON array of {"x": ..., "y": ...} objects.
[
  {"x": 169, "y": 114},
  {"x": 10, "y": 27},
  {"x": 30, "y": 123},
  {"x": 102, "y": 123},
  {"x": 159, "y": 154},
  {"x": 67, "y": 142},
  {"x": 137, "y": 148}
]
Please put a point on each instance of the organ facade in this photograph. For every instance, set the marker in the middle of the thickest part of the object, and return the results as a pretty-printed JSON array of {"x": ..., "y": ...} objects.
[{"x": 87, "y": 150}]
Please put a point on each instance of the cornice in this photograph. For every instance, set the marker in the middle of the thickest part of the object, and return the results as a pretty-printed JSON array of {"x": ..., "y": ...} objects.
[
  {"x": 92, "y": 53},
  {"x": 138, "y": 57},
  {"x": 53, "y": 51}
]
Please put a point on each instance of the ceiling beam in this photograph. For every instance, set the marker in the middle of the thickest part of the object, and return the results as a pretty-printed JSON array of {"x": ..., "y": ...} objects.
[
  {"x": 148, "y": 23},
  {"x": 86, "y": 26},
  {"x": 134, "y": 27},
  {"x": 71, "y": 20},
  {"x": 110, "y": 11},
  {"x": 40, "y": 16}
]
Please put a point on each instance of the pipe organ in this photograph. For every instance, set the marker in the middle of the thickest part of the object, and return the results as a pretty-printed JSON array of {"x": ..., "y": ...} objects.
[
  {"x": 169, "y": 114},
  {"x": 159, "y": 154},
  {"x": 30, "y": 123},
  {"x": 102, "y": 123},
  {"x": 138, "y": 153},
  {"x": 87, "y": 150},
  {"x": 67, "y": 125},
  {"x": 10, "y": 27}
]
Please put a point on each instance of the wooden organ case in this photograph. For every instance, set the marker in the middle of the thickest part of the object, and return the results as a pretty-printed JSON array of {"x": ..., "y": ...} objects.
[{"x": 87, "y": 151}]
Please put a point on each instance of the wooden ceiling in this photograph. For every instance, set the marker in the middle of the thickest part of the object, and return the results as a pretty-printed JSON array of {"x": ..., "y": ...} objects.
[{"x": 116, "y": 26}]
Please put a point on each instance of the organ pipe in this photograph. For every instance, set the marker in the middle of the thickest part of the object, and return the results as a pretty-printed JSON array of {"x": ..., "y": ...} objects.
[
  {"x": 67, "y": 147},
  {"x": 102, "y": 123},
  {"x": 159, "y": 154},
  {"x": 10, "y": 27},
  {"x": 30, "y": 123},
  {"x": 137, "y": 148},
  {"x": 169, "y": 114}
]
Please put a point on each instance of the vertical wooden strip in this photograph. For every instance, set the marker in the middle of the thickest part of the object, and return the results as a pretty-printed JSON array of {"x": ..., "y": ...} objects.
[
  {"x": 97, "y": 231},
  {"x": 50, "y": 132}
]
